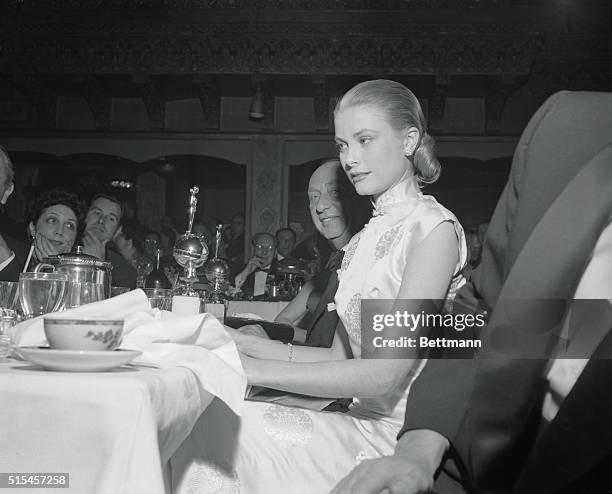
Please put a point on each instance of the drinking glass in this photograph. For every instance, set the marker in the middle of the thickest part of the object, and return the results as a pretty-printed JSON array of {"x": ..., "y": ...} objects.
[
  {"x": 160, "y": 298},
  {"x": 41, "y": 293},
  {"x": 8, "y": 289},
  {"x": 119, "y": 290},
  {"x": 8, "y": 318},
  {"x": 81, "y": 293}
]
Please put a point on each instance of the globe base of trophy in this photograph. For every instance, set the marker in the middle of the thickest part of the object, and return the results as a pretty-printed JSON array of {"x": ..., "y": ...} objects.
[
  {"x": 184, "y": 286},
  {"x": 217, "y": 272},
  {"x": 190, "y": 252}
]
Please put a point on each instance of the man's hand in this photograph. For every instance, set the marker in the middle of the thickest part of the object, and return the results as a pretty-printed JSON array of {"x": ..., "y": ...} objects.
[
  {"x": 409, "y": 471},
  {"x": 5, "y": 250},
  {"x": 388, "y": 474},
  {"x": 93, "y": 246},
  {"x": 254, "y": 264}
]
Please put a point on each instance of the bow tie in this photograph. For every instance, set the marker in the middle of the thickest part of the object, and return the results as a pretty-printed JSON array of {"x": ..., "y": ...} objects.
[{"x": 335, "y": 260}]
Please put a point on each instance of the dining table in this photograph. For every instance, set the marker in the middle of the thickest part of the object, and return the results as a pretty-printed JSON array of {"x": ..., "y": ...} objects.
[
  {"x": 267, "y": 310},
  {"x": 107, "y": 432},
  {"x": 113, "y": 430}
]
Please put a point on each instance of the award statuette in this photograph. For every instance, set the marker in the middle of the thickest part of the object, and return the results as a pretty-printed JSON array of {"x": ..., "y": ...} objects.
[
  {"x": 217, "y": 272},
  {"x": 190, "y": 250}
]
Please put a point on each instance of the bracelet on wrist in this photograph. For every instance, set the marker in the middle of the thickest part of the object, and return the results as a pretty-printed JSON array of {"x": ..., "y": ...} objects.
[{"x": 290, "y": 345}]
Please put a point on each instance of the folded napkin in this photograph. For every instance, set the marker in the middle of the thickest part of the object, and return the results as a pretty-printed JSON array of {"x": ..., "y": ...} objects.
[{"x": 198, "y": 342}]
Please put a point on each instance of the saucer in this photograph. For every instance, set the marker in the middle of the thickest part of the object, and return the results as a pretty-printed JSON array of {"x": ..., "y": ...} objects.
[{"x": 77, "y": 360}]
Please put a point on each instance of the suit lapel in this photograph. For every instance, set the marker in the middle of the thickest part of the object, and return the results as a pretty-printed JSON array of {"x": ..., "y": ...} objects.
[
  {"x": 504, "y": 397},
  {"x": 321, "y": 309}
]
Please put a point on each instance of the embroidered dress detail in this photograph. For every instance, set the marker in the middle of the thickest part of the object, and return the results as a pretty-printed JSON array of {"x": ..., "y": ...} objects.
[
  {"x": 350, "y": 251},
  {"x": 352, "y": 317},
  {"x": 289, "y": 426},
  {"x": 387, "y": 241}
]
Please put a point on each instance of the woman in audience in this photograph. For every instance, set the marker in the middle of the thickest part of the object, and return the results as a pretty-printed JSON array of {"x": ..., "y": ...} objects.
[
  {"x": 53, "y": 220},
  {"x": 412, "y": 248}
]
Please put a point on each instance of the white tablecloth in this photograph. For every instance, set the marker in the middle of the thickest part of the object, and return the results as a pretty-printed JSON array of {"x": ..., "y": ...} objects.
[
  {"x": 265, "y": 310},
  {"x": 113, "y": 432}
]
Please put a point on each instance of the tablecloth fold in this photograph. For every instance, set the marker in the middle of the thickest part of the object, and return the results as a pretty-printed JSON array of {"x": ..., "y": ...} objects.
[{"x": 198, "y": 342}]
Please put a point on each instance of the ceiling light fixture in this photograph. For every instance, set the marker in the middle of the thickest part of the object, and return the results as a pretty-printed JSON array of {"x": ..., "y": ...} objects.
[{"x": 256, "y": 110}]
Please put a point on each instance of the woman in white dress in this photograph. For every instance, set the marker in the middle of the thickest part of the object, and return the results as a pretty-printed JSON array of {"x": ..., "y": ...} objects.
[{"x": 412, "y": 248}]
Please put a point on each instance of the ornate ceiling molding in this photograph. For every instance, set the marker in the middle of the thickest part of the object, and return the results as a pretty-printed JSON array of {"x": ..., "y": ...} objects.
[
  {"x": 98, "y": 100},
  {"x": 496, "y": 97},
  {"x": 261, "y": 4},
  {"x": 42, "y": 98},
  {"x": 208, "y": 94},
  {"x": 357, "y": 55},
  {"x": 154, "y": 102},
  {"x": 320, "y": 102}
]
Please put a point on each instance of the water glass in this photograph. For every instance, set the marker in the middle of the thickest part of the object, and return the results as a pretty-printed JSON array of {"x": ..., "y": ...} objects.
[
  {"x": 41, "y": 293},
  {"x": 8, "y": 318},
  {"x": 119, "y": 290},
  {"x": 159, "y": 298},
  {"x": 8, "y": 290},
  {"x": 81, "y": 293}
]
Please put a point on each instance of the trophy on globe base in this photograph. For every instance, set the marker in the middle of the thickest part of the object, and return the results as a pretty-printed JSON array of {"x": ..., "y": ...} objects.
[
  {"x": 217, "y": 272},
  {"x": 190, "y": 252}
]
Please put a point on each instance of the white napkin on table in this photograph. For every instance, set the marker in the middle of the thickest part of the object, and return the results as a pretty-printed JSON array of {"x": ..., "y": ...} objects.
[{"x": 198, "y": 342}]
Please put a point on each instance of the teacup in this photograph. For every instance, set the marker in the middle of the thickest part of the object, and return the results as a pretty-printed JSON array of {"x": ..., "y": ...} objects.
[{"x": 93, "y": 333}]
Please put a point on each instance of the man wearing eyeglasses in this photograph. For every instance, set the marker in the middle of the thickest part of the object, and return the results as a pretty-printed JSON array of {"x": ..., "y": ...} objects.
[{"x": 263, "y": 259}]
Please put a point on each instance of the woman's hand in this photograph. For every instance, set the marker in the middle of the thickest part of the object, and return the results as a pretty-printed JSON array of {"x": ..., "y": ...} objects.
[
  {"x": 244, "y": 341},
  {"x": 254, "y": 330},
  {"x": 248, "y": 365},
  {"x": 43, "y": 247}
]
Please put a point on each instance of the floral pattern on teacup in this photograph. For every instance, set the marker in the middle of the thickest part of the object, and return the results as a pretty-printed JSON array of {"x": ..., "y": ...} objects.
[{"x": 111, "y": 338}]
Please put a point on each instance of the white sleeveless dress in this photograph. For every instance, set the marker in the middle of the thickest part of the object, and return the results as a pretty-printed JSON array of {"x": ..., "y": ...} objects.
[{"x": 278, "y": 449}]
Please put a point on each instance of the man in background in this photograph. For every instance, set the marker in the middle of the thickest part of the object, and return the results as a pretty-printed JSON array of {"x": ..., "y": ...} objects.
[
  {"x": 235, "y": 249},
  {"x": 285, "y": 243},
  {"x": 102, "y": 224},
  {"x": 263, "y": 260},
  {"x": 11, "y": 250}
]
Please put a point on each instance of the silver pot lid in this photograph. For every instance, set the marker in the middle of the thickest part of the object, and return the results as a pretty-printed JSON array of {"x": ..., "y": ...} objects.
[{"x": 78, "y": 258}]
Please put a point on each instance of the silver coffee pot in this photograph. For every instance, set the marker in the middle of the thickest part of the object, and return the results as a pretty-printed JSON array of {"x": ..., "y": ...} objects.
[{"x": 83, "y": 268}]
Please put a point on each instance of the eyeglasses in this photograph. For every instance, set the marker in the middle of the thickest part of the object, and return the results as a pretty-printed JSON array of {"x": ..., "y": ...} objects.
[
  {"x": 151, "y": 241},
  {"x": 264, "y": 247}
]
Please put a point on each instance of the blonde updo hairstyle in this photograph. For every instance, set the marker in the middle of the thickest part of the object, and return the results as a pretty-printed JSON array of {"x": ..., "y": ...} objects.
[{"x": 402, "y": 110}]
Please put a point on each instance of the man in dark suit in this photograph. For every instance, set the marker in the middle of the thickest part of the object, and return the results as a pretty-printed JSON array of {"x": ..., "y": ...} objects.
[
  {"x": 330, "y": 202},
  {"x": 102, "y": 225},
  {"x": 11, "y": 250},
  {"x": 262, "y": 261},
  {"x": 484, "y": 424}
]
